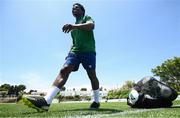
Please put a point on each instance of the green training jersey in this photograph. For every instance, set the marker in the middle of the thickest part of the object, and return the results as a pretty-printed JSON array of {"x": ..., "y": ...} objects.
[{"x": 83, "y": 40}]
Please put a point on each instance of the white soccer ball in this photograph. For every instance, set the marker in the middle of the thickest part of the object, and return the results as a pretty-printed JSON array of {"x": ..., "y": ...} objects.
[{"x": 133, "y": 96}]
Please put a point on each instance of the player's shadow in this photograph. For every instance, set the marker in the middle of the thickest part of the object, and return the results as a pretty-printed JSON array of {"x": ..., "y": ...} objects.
[
  {"x": 100, "y": 110},
  {"x": 103, "y": 110}
]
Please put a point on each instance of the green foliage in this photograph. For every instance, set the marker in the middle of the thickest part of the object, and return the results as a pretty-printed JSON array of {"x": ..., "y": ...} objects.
[
  {"x": 83, "y": 89},
  {"x": 169, "y": 72},
  {"x": 59, "y": 97},
  {"x": 110, "y": 94},
  {"x": 30, "y": 91},
  {"x": 3, "y": 93},
  {"x": 12, "y": 89},
  {"x": 77, "y": 98},
  {"x": 68, "y": 98},
  {"x": 21, "y": 87},
  {"x": 5, "y": 87},
  {"x": 122, "y": 92},
  {"x": 63, "y": 88}
]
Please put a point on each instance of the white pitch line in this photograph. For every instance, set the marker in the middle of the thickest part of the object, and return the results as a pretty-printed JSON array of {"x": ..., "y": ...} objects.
[
  {"x": 114, "y": 114},
  {"x": 117, "y": 114}
]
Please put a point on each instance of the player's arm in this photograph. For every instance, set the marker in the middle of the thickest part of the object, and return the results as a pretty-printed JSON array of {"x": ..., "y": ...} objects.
[{"x": 84, "y": 26}]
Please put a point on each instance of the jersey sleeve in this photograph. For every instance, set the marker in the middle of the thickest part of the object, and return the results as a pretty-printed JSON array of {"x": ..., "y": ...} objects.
[{"x": 88, "y": 19}]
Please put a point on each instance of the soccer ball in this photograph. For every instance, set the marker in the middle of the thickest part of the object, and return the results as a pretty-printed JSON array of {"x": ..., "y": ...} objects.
[{"x": 133, "y": 96}]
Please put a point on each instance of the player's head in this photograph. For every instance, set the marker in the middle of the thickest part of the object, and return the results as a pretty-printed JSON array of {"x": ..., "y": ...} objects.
[
  {"x": 133, "y": 96},
  {"x": 78, "y": 10}
]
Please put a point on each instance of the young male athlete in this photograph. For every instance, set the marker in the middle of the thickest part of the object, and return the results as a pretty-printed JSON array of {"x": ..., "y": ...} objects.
[{"x": 82, "y": 52}]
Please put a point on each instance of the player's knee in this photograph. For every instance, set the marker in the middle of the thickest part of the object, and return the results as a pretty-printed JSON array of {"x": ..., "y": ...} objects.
[{"x": 65, "y": 70}]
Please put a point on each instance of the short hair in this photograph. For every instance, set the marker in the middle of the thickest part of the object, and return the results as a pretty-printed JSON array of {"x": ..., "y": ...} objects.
[{"x": 81, "y": 7}]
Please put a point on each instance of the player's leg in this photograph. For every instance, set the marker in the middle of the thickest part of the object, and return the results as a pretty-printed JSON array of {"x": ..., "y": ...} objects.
[
  {"x": 43, "y": 103},
  {"x": 59, "y": 82},
  {"x": 93, "y": 78},
  {"x": 71, "y": 64},
  {"x": 89, "y": 63},
  {"x": 95, "y": 86}
]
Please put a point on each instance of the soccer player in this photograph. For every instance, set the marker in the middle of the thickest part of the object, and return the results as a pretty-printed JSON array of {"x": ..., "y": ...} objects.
[{"x": 82, "y": 52}]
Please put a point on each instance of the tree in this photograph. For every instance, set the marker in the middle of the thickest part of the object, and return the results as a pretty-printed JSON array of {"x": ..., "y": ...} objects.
[
  {"x": 3, "y": 93},
  {"x": 77, "y": 98},
  {"x": 32, "y": 91},
  {"x": 169, "y": 72},
  {"x": 128, "y": 85},
  {"x": 5, "y": 87},
  {"x": 60, "y": 97},
  {"x": 63, "y": 88},
  {"x": 11, "y": 90},
  {"x": 16, "y": 90},
  {"x": 101, "y": 89},
  {"x": 83, "y": 89},
  {"x": 21, "y": 88}
]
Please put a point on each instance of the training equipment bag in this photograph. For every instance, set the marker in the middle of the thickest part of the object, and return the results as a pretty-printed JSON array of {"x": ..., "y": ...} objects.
[{"x": 151, "y": 93}]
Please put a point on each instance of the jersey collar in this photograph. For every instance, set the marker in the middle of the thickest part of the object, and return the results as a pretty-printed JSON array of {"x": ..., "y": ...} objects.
[{"x": 79, "y": 20}]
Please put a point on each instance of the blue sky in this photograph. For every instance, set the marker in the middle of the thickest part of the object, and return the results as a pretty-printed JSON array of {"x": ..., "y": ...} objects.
[{"x": 132, "y": 37}]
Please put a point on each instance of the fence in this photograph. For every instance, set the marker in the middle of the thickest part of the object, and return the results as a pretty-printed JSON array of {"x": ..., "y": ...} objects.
[{"x": 8, "y": 99}]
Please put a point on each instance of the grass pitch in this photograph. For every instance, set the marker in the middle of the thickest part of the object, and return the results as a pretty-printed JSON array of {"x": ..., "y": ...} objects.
[{"x": 80, "y": 110}]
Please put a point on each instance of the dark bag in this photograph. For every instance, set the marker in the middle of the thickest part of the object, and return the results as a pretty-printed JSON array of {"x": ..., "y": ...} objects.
[{"x": 153, "y": 94}]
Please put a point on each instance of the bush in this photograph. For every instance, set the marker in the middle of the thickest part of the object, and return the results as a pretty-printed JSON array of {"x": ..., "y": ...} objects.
[
  {"x": 122, "y": 92},
  {"x": 69, "y": 98},
  {"x": 178, "y": 93},
  {"x": 77, "y": 98},
  {"x": 72, "y": 98}
]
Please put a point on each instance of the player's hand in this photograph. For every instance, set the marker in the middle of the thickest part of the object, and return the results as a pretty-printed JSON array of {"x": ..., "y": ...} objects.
[{"x": 67, "y": 28}]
